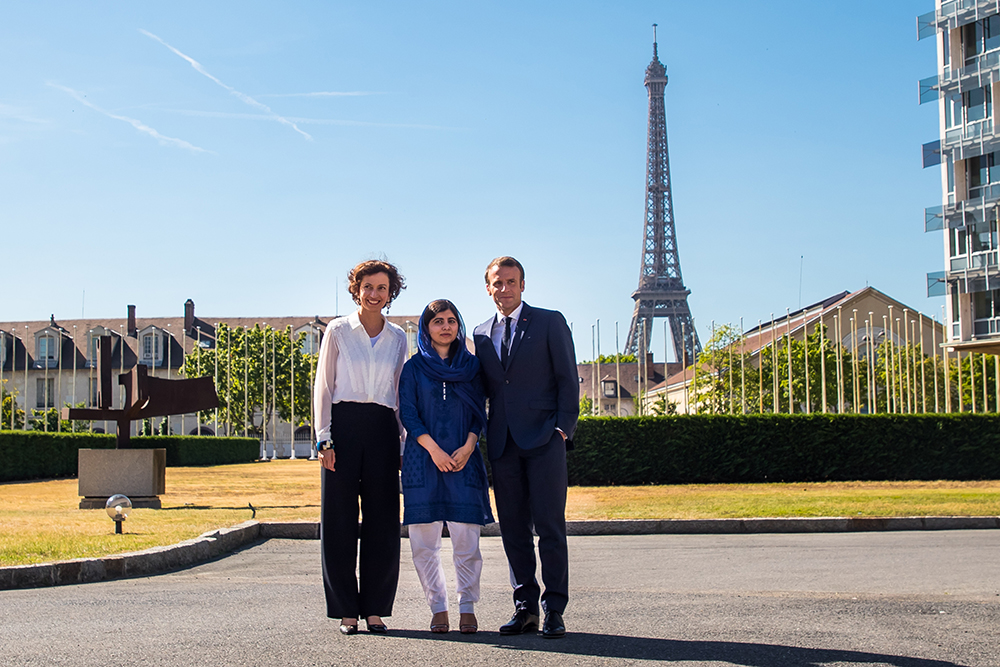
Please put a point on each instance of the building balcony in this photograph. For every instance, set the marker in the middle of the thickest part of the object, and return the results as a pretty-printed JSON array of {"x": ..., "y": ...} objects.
[
  {"x": 953, "y": 14},
  {"x": 963, "y": 213},
  {"x": 985, "y": 70}
]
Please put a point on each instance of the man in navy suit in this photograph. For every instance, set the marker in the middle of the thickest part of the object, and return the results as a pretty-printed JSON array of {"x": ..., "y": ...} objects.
[{"x": 529, "y": 365}]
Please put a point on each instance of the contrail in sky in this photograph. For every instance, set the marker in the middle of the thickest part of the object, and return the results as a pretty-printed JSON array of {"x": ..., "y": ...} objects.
[
  {"x": 356, "y": 93},
  {"x": 137, "y": 124},
  {"x": 242, "y": 96}
]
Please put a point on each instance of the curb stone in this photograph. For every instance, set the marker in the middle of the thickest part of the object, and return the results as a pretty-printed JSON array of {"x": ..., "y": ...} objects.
[{"x": 216, "y": 543}]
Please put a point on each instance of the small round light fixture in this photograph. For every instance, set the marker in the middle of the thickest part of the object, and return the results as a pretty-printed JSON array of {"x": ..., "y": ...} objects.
[{"x": 118, "y": 508}]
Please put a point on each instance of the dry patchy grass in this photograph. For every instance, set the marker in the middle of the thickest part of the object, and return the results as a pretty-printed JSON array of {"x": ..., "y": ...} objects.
[{"x": 40, "y": 522}]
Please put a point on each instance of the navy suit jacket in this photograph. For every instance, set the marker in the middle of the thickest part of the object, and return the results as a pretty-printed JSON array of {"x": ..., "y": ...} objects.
[{"x": 539, "y": 390}]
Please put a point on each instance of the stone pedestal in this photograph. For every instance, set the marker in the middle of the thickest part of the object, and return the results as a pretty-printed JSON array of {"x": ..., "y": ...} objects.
[{"x": 140, "y": 474}]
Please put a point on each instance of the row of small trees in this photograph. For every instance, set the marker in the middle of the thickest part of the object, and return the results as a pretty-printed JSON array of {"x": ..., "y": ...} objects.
[
  {"x": 261, "y": 374},
  {"x": 818, "y": 375}
]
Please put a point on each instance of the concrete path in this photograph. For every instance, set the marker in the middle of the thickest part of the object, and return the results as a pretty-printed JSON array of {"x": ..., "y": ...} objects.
[{"x": 907, "y": 599}]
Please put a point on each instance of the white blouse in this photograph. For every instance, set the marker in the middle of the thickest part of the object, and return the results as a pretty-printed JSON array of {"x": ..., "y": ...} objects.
[{"x": 350, "y": 368}]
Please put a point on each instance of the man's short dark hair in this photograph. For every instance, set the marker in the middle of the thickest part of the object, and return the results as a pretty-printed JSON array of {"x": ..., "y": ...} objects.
[{"x": 504, "y": 261}]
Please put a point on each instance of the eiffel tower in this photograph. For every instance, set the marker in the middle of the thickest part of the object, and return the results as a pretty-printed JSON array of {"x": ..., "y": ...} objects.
[{"x": 661, "y": 292}]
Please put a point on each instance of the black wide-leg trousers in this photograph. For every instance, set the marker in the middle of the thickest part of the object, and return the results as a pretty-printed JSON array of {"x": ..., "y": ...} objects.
[
  {"x": 530, "y": 490},
  {"x": 365, "y": 438}
]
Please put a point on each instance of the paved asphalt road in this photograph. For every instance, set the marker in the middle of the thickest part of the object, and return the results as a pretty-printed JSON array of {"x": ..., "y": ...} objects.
[{"x": 907, "y": 599}]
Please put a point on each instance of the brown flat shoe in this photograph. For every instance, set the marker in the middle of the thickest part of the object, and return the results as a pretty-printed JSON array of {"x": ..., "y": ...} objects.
[
  {"x": 468, "y": 625},
  {"x": 439, "y": 623}
]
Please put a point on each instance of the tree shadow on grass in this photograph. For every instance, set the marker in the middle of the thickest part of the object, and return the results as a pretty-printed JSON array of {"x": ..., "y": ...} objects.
[{"x": 745, "y": 654}]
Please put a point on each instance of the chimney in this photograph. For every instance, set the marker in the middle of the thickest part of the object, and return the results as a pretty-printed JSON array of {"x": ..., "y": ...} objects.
[
  {"x": 188, "y": 315},
  {"x": 132, "y": 330}
]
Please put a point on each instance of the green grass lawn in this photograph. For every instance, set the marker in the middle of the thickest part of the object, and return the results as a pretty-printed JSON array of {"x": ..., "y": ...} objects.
[{"x": 40, "y": 521}]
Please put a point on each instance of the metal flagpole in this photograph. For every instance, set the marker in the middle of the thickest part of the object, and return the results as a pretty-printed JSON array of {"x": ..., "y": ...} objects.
[
  {"x": 687, "y": 404},
  {"x": 946, "y": 361},
  {"x": 840, "y": 386},
  {"x": 45, "y": 382},
  {"x": 868, "y": 366},
  {"x": 934, "y": 362},
  {"x": 246, "y": 380},
  {"x": 291, "y": 357},
  {"x": 909, "y": 357},
  {"x": 263, "y": 383},
  {"x": 760, "y": 367},
  {"x": 986, "y": 395},
  {"x": 961, "y": 398},
  {"x": 312, "y": 382},
  {"x": 775, "y": 406},
  {"x": 618, "y": 374},
  {"x": 996, "y": 379},
  {"x": 714, "y": 365},
  {"x": 855, "y": 380},
  {"x": 74, "y": 369},
  {"x": 891, "y": 378},
  {"x": 229, "y": 382},
  {"x": 170, "y": 350},
  {"x": 822, "y": 357},
  {"x": 923, "y": 372},
  {"x": 805, "y": 360},
  {"x": 788, "y": 336},
  {"x": 593, "y": 369},
  {"x": 597, "y": 360},
  {"x": 743, "y": 372},
  {"x": 26, "y": 409},
  {"x": 274, "y": 383}
]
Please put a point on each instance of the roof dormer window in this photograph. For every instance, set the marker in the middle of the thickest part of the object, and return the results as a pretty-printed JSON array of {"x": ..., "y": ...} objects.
[
  {"x": 47, "y": 349},
  {"x": 152, "y": 342}
]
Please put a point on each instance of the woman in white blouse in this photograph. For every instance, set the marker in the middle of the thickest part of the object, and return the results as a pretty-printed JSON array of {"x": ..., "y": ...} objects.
[{"x": 358, "y": 442}]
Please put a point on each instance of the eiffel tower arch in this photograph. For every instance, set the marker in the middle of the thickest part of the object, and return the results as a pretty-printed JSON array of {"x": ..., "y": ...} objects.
[{"x": 661, "y": 292}]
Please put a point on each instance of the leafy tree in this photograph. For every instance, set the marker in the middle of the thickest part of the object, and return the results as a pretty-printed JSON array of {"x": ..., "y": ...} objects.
[
  {"x": 612, "y": 358},
  {"x": 8, "y": 402},
  {"x": 732, "y": 378},
  {"x": 586, "y": 406},
  {"x": 50, "y": 420},
  {"x": 247, "y": 362}
]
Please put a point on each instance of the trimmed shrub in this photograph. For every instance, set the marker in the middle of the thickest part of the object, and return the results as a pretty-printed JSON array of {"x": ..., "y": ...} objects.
[
  {"x": 35, "y": 454},
  {"x": 689, "y": 449}
]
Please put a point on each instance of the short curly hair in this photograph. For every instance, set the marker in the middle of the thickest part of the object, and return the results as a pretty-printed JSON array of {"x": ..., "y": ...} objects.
[{"x": 371, "y": 267}]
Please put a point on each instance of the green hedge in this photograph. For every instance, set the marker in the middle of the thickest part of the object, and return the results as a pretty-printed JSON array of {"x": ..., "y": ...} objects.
[
  {"x": 34, "y": 454},
  {"x": 784, "y": 448}
]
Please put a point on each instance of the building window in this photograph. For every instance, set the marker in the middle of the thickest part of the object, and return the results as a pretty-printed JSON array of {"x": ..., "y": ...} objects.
[
  {"x": 978, "y": 104},
  {"x": 45, "y": 393},
  {"x": 310, "y": 342},
  {"x": 984, "y": 170},
  {"x": 48, "y": 351},
  {"x": 980, "y": 37},
  {"x": 92, "y": 387},
  {"x": 609, "y": 388},
  {"x": 151, "y": 348}
]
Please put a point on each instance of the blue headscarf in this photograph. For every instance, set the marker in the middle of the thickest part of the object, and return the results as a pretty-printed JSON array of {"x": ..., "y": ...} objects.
[{"x": 460, "y": 369}]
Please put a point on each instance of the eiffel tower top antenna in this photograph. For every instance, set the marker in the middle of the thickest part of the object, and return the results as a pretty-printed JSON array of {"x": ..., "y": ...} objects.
[{"x": 661, "y": 292}]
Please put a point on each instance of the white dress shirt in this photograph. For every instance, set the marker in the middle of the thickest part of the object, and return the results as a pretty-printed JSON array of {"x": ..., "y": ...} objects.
[
  {"x": 496, "y": 333},
  {"x": 350, "y": 368}
]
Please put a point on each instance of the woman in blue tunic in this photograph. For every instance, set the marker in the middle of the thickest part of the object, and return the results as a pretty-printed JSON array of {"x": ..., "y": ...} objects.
[{"x": 442, "y": 407}]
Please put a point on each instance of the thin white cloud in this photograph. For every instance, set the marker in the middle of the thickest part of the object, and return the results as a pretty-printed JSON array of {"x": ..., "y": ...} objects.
[
  {"x": 305, "y": 121},
  {"x": 15, "y": 113},
  {"x": 242, "y": 96},
  {"x": 137, "y": 124},
  {"x": 355, "y": 93}
]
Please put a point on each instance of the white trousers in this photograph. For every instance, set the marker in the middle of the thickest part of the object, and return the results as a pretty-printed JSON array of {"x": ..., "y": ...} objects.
[{"x": 425, "y": 544}]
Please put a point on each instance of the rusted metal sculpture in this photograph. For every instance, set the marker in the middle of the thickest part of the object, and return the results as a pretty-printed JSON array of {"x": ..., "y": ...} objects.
[{"x": 145, "y": 396}]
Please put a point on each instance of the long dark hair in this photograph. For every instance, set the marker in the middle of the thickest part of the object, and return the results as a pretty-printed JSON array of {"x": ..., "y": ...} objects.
[{"x": 437, "y": 307}]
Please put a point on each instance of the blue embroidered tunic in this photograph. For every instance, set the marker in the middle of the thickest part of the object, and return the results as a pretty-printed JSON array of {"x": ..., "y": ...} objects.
[{"x": 434, "y": 407}]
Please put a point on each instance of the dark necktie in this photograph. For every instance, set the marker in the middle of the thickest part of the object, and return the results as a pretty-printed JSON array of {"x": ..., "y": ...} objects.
[{"x": 505, "y": 342}]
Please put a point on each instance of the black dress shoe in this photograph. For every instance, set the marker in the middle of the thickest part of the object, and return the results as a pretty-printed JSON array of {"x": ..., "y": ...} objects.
[
  {"x": 553, "y": 626},
  {"x": 377, "y": 628},
  {"x": 522, "y": 621}
]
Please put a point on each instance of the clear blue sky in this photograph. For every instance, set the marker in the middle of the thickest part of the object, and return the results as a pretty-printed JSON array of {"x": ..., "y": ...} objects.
[{"x": 247, "y": 154}]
